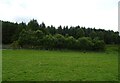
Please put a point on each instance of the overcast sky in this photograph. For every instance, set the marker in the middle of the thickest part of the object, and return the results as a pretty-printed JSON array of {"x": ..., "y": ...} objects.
[{"x": 89, "y": 13}]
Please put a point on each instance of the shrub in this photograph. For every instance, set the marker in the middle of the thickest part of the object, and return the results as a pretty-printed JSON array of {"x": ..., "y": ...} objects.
[
  {"x": 59, "y": 41},
  {"x": 48, "y": 42},
  {"x": 15, "y": 45},
  {"x": 70, "y": 42},
  {"x": 85, "y": 43},
  {"x": 99, "y": 45}
]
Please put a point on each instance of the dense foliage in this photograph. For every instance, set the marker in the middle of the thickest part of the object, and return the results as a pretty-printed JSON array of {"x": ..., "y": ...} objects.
[{"x": 33, "y": 35}]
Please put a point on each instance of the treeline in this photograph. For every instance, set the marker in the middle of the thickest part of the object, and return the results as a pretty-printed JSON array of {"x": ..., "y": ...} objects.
[{"x": 33, "y": 35}]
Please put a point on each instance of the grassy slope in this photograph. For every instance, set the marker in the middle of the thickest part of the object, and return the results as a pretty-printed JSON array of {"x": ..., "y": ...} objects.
[{"x": 41, "y": 65}]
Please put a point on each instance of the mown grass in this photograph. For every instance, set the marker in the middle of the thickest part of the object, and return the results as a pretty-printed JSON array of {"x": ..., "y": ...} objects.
[{"x": 41, "y": 65}]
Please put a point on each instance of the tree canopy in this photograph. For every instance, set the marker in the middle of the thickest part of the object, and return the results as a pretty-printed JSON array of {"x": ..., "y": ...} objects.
[{"x": 34, "y": 35}]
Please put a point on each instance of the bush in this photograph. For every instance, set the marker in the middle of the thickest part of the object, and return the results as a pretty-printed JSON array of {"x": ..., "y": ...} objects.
[
  {"x": 99, "y": 45},
  {"x": 59, "y": 41},
  {"x": 48, "y": 42},
  {"x": 85, "y": 43},
  {"x": 15, "y": 45},
  {"x": 37, "y": 39},
  {"x": 70, "y": 42}
]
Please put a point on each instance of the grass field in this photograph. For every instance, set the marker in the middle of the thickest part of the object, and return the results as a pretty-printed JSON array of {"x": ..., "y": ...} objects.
[{"x": 41, "y": 65}]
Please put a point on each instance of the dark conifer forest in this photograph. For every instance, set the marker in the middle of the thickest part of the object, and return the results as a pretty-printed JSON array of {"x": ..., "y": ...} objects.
[{"x": 41, "y": 36}]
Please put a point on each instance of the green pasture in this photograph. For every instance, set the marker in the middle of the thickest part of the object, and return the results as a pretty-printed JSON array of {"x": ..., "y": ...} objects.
[{"x": 64, "y": 65}]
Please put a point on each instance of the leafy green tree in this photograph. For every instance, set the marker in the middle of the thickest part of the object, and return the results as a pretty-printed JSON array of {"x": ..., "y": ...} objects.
[
  {"x": 51, "y": 30},
  {"x": 108, "y": 37},
  {"x": 23, "y": 38},
  {"x": 100, "y": 34},
  {"x": 34, "y": 35},
  {"x": 65, "y": 30},
  {"x": 49, "y": 42},
  {"x": 60, "y": 41},
  {"x": 38, "y": 38},
  {"x": 99, "y": 45},
  {"x": 72, "y": 32},
  {"x": 87, "y": 32},
  {"x": 93, "y": 34},
  {"x": 15, "y": 45},
  {"x": 8, "y": 31},
  {"x": 39, "y": 34},
  {"x": 43, "y": 28},
  {"x": 85, "y": 43},
  {"x": 27, "y": 38},
  {"x": 59, "y": 30},
  {"x": 42, "y": 25},
  {"x": 80, "y": 33},
  {"x": 70, "y": 42},
  {"x": 33, "y": 25},
  {"x": 19, "y": 28}
]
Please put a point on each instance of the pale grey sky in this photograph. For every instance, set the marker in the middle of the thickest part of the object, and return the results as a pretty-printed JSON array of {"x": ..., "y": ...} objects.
[{"x": 89, "y": 13}]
